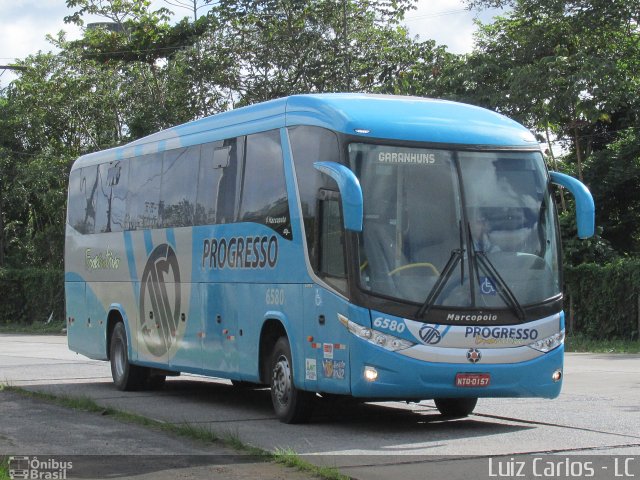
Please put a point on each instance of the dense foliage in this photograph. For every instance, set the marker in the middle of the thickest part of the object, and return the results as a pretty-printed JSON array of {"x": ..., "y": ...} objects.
[
  {"x": 567, "y": 69},
  {"x": 31, "y": 294},
  {"x": 603, "y": 301}
]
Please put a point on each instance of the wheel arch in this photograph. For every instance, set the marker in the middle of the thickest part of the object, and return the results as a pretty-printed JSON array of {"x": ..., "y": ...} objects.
[
  {"x": 117, "y": 314},
  {"x": 274, "y": 326}
]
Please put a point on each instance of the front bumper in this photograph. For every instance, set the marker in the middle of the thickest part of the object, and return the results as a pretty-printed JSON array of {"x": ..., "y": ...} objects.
[{"x": 402, "y": 377}]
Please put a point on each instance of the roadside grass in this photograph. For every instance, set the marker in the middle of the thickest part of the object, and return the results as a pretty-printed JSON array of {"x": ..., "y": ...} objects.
[
  {"x": 582, "y": 343},
  {"x": 205, "y": 435},
  {"x": 4, "y": 468},
  {"x": 35, "y": 328},
  {"x": 289, "y": 458}
]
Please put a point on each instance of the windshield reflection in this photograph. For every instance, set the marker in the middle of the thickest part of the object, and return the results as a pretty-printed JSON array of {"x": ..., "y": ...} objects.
[{"x": 421, "y": 206}]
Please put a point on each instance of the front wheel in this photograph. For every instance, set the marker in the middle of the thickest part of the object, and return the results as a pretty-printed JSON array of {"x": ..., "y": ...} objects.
[
  {"x": 456, "y": 407},
  {"x": 125, "y": 376},
  {"x": 290, "y": 404}
]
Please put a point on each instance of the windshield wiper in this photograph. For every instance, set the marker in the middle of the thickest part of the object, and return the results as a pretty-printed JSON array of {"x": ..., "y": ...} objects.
[
  {"x": 454, "y": 259},
  {"x": 503, "y": 289}
]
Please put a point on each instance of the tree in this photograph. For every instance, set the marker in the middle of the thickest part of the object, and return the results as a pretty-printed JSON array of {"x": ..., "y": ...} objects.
[
  {"x": 569, "y": 66},
  {"x": 614, "y": 176},
  {"x": 282, "y": 47},
  {"x": 32, "y": 189},
  {"x": 171, "y": 73}
]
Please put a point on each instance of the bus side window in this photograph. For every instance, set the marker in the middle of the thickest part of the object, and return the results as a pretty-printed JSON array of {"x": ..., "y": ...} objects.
[
  {"x": 118, "y": 183},
  {"x": 310, "y": 145},
  {"x": 209, "y": 176},
  {"x": 177, "y": 194},
  {"x": 89, "y": 187},
  {"x": 75, "y": 201},
  {"x": 144, "y": 186},
  {"x": 331, "y": 260},
  {"x": 228, "y": 189},
  {"x": 264, "y": 191},
  {"x": 111, "y": 196},
  {"x": 102, "y": 223}
]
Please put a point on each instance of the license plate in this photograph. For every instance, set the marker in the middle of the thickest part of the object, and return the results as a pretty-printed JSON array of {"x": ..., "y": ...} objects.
[{"x": 473, "y": 380}]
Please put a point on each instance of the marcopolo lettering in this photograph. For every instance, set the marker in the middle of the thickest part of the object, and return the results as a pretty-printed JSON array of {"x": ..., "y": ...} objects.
[
  {"x": 407, "y": 158},
  {"x": 502, "y": 333},
  {"x": 240, "y": 252},
  {"x": 475, "y": 317}
]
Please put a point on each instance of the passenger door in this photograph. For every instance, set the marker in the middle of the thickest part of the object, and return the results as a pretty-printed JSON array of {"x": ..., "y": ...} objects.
[{"x": 329, "y": 355}]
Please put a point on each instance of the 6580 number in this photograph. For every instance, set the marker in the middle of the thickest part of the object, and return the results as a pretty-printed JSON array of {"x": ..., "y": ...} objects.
[
  {"x": 274, "y": 296},
  {"x": 387, "y": 324}
]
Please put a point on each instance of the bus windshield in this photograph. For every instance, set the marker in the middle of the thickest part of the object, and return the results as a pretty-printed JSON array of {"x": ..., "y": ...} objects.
[{"x": 446, "y": 228}]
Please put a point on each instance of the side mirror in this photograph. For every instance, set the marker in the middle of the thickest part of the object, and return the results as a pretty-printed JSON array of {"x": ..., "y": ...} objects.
[
  {"x": 350, "y": 191},
  {"x": 585, "y": 209}
]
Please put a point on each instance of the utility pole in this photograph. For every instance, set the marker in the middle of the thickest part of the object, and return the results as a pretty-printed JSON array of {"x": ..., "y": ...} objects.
[{"x": 345, "y": 41}]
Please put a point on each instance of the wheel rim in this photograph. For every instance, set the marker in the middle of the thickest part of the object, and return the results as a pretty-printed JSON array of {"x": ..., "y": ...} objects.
[
  {"x": 281, "y": 386},
  {"x": 120, "y": 360}
]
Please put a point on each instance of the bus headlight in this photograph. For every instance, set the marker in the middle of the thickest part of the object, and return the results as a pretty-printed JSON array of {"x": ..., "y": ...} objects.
[
  {"x": 370, "y": 374},
  {"x": 547, "y": 344},
  {"x": 384, "y": 340}
]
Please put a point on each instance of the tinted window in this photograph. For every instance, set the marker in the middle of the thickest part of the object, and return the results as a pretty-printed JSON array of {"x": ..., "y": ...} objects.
[
  {"x": 77, "y": 204},
  {"x": 144, "y": 198},
  {"x": 87, "y": 188},
  {"x": 309, "y": 145},
  {"x": 102, "y": 200},
  {"x": 118, "y": 184},
  {"x": 209, "y": 178},
  {"x": 264, "y": 192},
  {"x": 111, "y": 196},
  {"x": 227, "y": 157},
  {"x": 331, "y": 261},
  {"x": 178, "y": 192}
]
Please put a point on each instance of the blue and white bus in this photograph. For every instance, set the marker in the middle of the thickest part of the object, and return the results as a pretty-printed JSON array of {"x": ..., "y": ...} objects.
[{"x": 374, "y": 246}]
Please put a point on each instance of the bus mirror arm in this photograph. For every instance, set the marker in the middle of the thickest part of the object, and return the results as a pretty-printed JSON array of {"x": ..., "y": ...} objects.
[
  {"x": 585, "y": 209},
  {"x": 350, "y": 192}
]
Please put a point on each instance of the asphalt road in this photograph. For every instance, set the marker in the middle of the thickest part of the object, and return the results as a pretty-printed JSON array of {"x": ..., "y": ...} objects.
[{"x": 598, "y": 413}]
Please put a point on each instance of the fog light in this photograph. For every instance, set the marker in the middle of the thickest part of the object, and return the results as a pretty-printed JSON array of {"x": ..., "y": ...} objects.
[
  {"x": 557, "y": 375},
  {"x": 370, "y": 374}
]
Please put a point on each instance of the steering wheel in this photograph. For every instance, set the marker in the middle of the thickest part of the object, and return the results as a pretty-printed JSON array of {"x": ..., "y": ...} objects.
[{"x": 408, "y": 266}]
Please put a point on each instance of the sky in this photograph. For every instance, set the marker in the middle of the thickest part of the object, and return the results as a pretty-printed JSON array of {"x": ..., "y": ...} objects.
[{"x": 24, "y": 25}]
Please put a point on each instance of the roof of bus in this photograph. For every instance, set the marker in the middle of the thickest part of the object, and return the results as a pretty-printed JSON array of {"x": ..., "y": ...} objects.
[{"x": 364, "y": 115}]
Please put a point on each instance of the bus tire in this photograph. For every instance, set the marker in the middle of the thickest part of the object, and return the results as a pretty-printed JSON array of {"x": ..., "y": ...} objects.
[
  {"x": 456, "y": 407},
  {"x": 125, "y": 376},
  {"x": 290, "y": 404}
]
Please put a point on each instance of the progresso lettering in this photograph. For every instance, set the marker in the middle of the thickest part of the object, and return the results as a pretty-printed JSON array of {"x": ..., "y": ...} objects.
[
  {"x": 240, "y": 252},
  {"x": 501, "y": 333}
]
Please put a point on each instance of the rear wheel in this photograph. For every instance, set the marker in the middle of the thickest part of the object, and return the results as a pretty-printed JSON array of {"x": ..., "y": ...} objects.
[
  {"x": 456, "y": 407},
  {"x": 290, "y": 404},
  {"x": 125, "y": 376}
]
